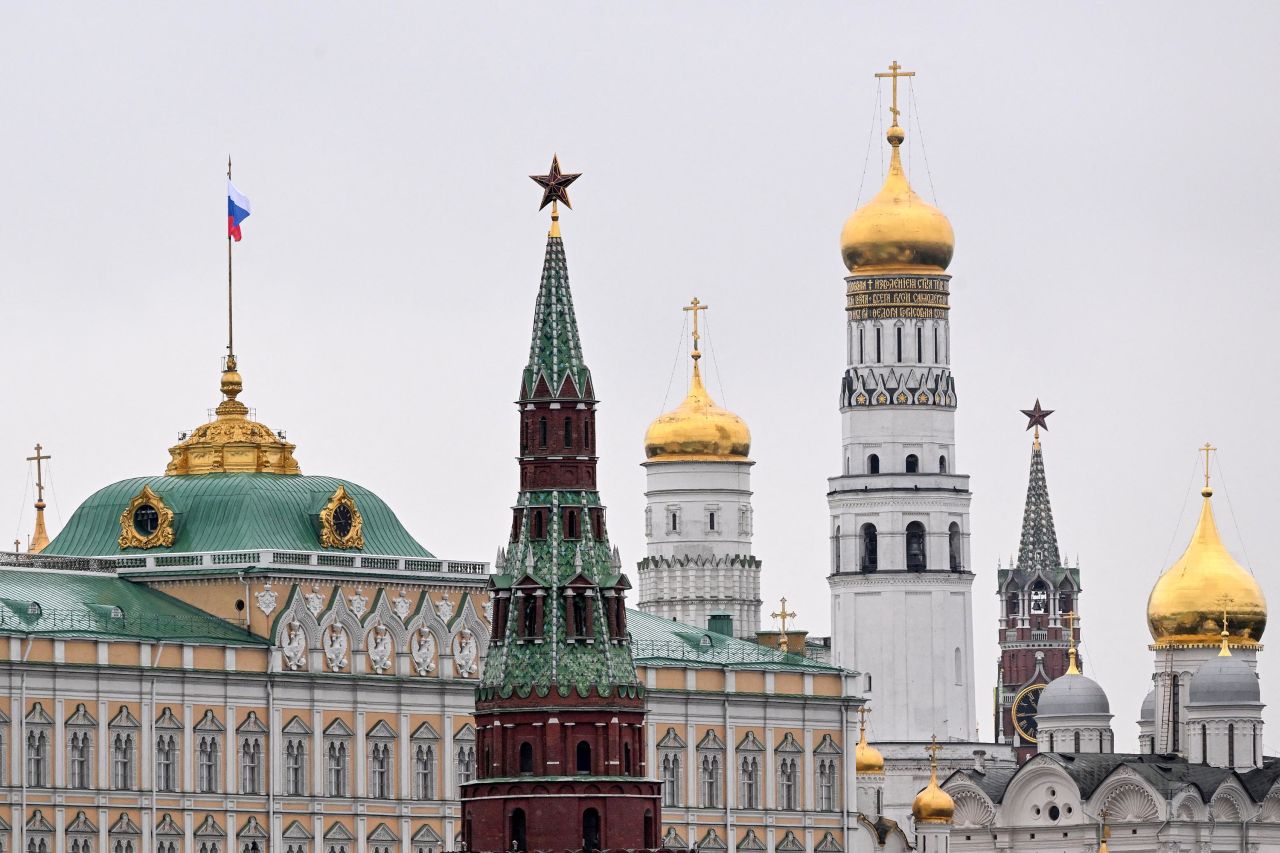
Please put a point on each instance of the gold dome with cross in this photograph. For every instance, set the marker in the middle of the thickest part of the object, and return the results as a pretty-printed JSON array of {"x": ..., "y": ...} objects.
[
  {"x": 897, "y": 231},
  {"x": 697, "y": 430}
]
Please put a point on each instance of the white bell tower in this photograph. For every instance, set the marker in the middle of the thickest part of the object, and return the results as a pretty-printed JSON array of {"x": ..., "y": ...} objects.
[{"x": 900, "y": 575}]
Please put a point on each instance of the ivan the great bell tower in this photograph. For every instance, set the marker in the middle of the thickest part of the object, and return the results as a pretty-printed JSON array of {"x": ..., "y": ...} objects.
[{"x": 901, "y": 584}]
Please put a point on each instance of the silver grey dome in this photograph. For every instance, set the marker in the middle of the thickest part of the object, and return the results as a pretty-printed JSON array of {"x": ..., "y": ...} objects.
[
  {"x": 1148, "y": 712},
  {"x": 1072, "y": 696},
  {"x": 1224, "y": 681}
]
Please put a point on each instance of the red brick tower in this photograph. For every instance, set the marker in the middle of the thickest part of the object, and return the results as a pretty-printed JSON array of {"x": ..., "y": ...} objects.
[{"x": 559, "y": 712}]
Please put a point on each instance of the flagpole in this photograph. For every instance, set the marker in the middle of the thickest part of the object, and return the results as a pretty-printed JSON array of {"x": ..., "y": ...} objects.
[{"x": 231, "y": 350}]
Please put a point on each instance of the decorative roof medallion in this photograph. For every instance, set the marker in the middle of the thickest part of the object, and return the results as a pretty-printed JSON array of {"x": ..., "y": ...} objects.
[
  {"x": 146, "y": 522},
  {"x": 340, "y": 522}
]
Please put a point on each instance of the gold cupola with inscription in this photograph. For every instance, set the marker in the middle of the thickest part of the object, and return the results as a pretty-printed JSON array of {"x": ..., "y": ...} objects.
[
  {"x": 1206, "y": 597},
  {"x": 232, "y": 443},
  {"x": 897, "y": 231},
  {"x": 697, "y": 430}
]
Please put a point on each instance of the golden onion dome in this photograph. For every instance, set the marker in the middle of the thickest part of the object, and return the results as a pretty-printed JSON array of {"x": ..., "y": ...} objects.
[
  {"x": 697, "y": 430},
  {"x": 933, "y": 805},
  {"x": 867, "y": 759},
  {"x": 1205, "y": 593},
  {"x": 232, "y": 443},
  {"x": 897, "y": 231}
]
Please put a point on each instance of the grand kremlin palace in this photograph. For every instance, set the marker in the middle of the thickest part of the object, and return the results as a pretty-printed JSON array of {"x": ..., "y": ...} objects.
[{"x": 237, "y": 656}]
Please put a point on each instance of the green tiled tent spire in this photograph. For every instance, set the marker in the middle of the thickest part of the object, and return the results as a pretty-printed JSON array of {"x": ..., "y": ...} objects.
[
  {"x": 556, "y": 351},
  {"x": 559, "y": 541},
  {"x": 1039, "y": 547}
]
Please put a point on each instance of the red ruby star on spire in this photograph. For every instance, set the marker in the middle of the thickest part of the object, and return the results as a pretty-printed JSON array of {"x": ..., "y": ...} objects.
[
  {"x": 1036, "y": 415},
  {"x": 555, "y": 185}
]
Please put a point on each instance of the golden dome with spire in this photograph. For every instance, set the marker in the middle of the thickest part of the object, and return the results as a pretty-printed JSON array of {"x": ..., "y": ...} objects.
[
  {"x": 1188, "y": 603},
  {"x": 697, "y": 429},
  {"x": 932, "y": 804},
  {"x": 897, "y": 231},
  {"x": 232, "y": 443},
  {"x": 867, "y": 759}
]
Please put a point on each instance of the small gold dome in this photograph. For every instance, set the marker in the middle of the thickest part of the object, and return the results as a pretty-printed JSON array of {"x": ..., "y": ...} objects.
[
  {"x": 897, "y": 231},
  {"x": 1187, "y": 603},
  {"x": 697, "y": 430},
  {"x": 232, "y": 443},
  {"x": 867, "y": 759},
  {"x": 933, "y": 805}
]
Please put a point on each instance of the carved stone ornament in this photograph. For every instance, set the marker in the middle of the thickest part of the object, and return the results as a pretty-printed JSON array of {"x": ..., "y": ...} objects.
[
  {"x": 401, "y": 606},
  {"x": 267, "y": 599},
  {"x": 335, "y": 648},
  {"x": 465, "y": 651},
  {"x": 340, "y": 522},
  {"x": 424, "y": 651},
  {"x": 295, "y": 646},
  {"x": 444, "y": 608},
  {"x": 380, "y": 650},
  {"x": 315, "y": 601},
  {"x": 359, "y": 602},
  {"x": 146, "y": 522},
  {"x": 488, "y": 609}
]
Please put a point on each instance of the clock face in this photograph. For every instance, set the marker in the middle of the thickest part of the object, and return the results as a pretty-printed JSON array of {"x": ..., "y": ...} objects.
[
  {"x": 342, "y": 520},
  {"x": 1025, "y": 706}
]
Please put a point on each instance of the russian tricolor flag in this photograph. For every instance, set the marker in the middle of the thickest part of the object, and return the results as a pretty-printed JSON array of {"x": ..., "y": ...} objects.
[{"x": 238, "y": 210}]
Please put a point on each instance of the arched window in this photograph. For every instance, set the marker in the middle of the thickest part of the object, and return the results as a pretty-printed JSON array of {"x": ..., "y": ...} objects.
[
  {"x": 835, "y": 550},
  {"x": 1012, "y": 606},
  {"x": 626, "y": 759},
  {"x": 919, "y": 344},
  {"x": 873, "y": 464},
  {"x": 1077, "y": 742},
  {"x": 580, "y": 615},
  {"x": 539, "y": 526},
  {"x": 1231, "y": 745},
  {"x": 650, "y": 830},
  {"x": 542, "y": 432},
  {"x": 1065, "y": 602},
  {"x": 711, "y": 521},
  {"x": 526, "y": 757},
  {"x": 1039, "y": 598},
  {"x": 749, "y": 773},
  {"x": 590, "y": 830},
  {"x": 529, "y": 614},
  {"x": 942, "y": 464},
  {"x": 916, "y": 560},
  {"x": 959, "y": 667},
  {"x": 869, "y": 547},
  {"x": 878, "y": 339},
  {"x": 913, "y": 463},
  {"x": 861, "y": 336},
  {"x": 586, "y": 434},
  {"x": 568, "y": 432},
  {"x": 937, "y": 357},
  {"x": 899, "y": 339},
  {"x": 584, "y": 757},
  {"x": 518, "y": 840},
  {"x": 953, "y": 547},
  {"x": 787, "y": 784},
  {"x": 1175, "y": 712},
  {"x": 571, "y": 524},
  {"x": 670, "y": 775},
  {"x": 1204, "y": 744},
  {"x": 1051, "y": 741}
]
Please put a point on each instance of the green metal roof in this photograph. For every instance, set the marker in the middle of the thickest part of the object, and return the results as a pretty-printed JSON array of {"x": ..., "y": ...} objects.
[
  {"x": 234, "y": 512},
  {"x": 662, "y": 642},
  {"x": 80, "y": 604}
]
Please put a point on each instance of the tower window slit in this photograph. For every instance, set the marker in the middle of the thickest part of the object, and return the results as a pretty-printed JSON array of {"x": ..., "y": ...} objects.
[
  {"x": 568, "y": 432},
  {"x": 542, "y": 432},
  {"x": 878, "y": 340},
  {"x": 920, "y": 345},
  {"x": 936, "y": 354},
  {"x": 898, "y": 336},
  {"x": 860, "y": 343}
]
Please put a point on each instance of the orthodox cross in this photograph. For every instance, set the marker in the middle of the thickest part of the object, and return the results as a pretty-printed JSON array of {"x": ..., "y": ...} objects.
[
  {"x": 695, "y": 306},
  {"x": 863, "y": 710},
  {"x": 1072, "y": 668},
  {"x": 1225, "y": 651},
  {"x": 38, "y": 458},
  {"x": 781, "y": 616},
  {"x": 1206, "y": 450},
  {"x": 555, "y": 189},
  {"x": 933, "y": 749},
  {"x": 895, "y": 71}
]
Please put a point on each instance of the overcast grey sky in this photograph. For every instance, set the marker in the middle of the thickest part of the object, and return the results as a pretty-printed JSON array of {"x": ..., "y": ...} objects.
[{"x": 1109, "y": 169}]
